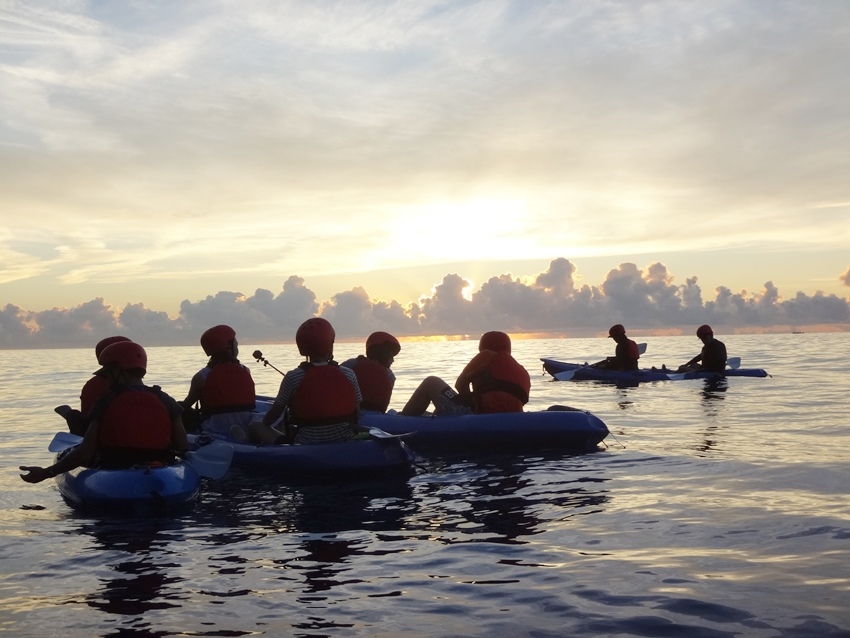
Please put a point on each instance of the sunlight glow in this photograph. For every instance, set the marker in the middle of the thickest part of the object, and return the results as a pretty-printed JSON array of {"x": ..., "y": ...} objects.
[{"x": 460, "y": 230}]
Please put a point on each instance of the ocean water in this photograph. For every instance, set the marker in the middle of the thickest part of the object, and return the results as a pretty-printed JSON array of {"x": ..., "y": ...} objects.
[{"x": 713, "y": 511}]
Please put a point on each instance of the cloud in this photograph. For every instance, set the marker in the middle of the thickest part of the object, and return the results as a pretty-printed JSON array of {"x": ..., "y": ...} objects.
[
  {"x": 845, "y": 277},
  {"x": 641, "y": 298}
]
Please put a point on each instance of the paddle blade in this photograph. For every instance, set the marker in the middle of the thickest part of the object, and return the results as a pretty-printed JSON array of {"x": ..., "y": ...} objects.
[
  {"x": 734, "y": 363},
  {"x": 641, "y": 348},
  {"x": 378, "y": 433},
  {"x": 213, "y": 460},
  {"x": 566, "y": 375},
  {"x": 63, "y": 440}
]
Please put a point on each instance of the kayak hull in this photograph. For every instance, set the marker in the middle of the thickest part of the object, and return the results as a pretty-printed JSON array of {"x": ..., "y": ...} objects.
[
  {"x": 567, "y": 429},
  {"x": 586, "y": 373},
  {"x": 140, "y": 488},
  {"x": 362, "y": 457}
]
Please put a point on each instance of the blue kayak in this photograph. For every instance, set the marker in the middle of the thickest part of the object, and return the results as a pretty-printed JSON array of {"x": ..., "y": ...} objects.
[
  {"x": 138, "y": 489},
  {"x": 583, "y": 372},
  {"x": 357, "y": 456},
  {"x": 565, "y": 429}
]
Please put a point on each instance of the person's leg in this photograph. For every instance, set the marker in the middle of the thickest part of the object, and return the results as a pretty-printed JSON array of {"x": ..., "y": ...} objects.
[{"x": 428, "y": 391}]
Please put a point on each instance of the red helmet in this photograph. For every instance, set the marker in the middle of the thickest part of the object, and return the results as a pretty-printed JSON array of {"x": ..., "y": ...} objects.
[
  {"x": 704, "y": 331},
  {"x": 383, "y": 339},
  {"x": 315, "y": 337},
  {"x": 617, "y": 330},
  {"x": 125, "y": 355},
  {"x": 103, "y": 343},
  {"x": 217, "y": 339},
  {"x": 495, "y": 341}
]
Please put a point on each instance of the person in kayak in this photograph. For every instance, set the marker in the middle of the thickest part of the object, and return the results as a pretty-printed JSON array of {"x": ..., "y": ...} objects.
[
  {"x": 712, "y": 357},
  {"x": 320, "y": 398},
  {"x": 626, "y": 354},
  {"x": 373, "y": 371},
  {"x": 224, "y": 387},
  {"x": 131, "y": 424},
  {"x": 493, "y": 381},
  {"x": 78, "y": 420}
]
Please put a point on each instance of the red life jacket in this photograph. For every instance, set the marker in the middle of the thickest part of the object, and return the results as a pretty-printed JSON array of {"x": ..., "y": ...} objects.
[
  {"x": 375, "y": 383},
  {"x": 95, "y": 388},
  {"x": 503, "y": 386},
  {"x": 324, "y": 396},
  {"x": 133, "y": 426},
  {"x": 228, "y": 388}
]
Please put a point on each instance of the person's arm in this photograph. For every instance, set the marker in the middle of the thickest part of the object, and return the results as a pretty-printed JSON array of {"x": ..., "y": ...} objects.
[
  {"x": 82, "y": 454},
  {"x": 195, "y": 388},
  {"x": 179, "y": 442},
  {"x": 464, "y": 381}
]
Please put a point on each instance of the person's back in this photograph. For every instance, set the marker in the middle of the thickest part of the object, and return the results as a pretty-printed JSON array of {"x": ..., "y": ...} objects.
[
  {"x": 375, "y": 381},
  {"x": 321, "y": 399},
  {"x": 229, "y": 387},
  {"x": 497, "y": 382},
  {"x": 374, "y": 376},
  {"x": 714, "y": 356},
  {"x": 134, "y": 426},
  {"x": 500, "y": 385},
  {"x": 626, "y": 353},
  {"x": 224, "y": 388},
  {"x": 324, "y": 402}
]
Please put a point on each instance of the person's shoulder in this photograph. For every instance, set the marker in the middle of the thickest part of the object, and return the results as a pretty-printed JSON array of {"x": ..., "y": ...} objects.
[{"x": 348, "y": 363}]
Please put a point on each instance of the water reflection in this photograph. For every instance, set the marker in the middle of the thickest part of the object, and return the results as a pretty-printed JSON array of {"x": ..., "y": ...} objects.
[
  {"x": 502, "y": 499},
  {"x": 145, "y": 577}
]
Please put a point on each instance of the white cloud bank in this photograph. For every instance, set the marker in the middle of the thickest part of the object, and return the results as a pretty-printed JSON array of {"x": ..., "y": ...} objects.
[{"x": 550, "y": 302}]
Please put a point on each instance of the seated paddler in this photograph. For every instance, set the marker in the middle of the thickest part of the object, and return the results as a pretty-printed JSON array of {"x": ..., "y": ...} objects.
[
  {"x": 131, "y": 424},
  {"x": 493, "y": 381}
]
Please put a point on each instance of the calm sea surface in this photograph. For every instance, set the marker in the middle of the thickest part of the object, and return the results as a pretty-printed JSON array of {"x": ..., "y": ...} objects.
[{"x": 712, "y": 512}]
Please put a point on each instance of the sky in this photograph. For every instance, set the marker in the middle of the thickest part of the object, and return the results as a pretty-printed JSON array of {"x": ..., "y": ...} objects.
[{"x": 426, "y": 166}]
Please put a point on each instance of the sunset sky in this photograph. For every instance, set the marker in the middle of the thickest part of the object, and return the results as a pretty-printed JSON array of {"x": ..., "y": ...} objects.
[{"x": 155, "y": 152}]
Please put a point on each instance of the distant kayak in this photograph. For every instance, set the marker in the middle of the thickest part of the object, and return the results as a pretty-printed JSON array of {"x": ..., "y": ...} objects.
[
  {"x": 566, "y": 429},
  {"x": 137, "y": 490},
  {"x": 583, "y": 372}
]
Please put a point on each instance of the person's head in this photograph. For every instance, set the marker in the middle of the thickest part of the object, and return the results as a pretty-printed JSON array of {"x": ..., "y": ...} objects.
[
  {"x": 382, "y": 347},
  {"x": 315, "y": 339},
  {"x": 705, "y": 333},
  {"x": 617, "y": 332},
  {"x": 124, "y": 359},
  {"x": 220, "y": 341},
  {"x": 495, "y": 341},
  {"x": 104, "y": 343}
]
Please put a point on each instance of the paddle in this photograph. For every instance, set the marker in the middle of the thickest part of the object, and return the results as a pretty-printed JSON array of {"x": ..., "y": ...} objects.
[
  {"x": 378, "y": 433},
  {"x": 62, "y": 441},
  {"x": 733, "y": 363},
  {"x": 259, "y": 357},
  {"x": 211, "y": 461},
  {"x": 566, "y": 375}
]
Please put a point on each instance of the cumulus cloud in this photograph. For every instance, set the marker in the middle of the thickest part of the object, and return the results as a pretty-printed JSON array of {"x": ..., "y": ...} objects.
[
  {"x": 641, "y": 298},
  {"x": 845, "y": 277}
]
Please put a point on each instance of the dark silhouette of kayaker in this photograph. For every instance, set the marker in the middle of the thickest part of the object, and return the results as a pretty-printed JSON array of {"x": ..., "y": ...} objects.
[
  {"x": 78, "y": 420},
  {"x": 626, "y": 354},
  {"x": 712, "y": 357},
  {"x": 373, "y": 371},
  {"x": 320, "y": 398},
  {"x": 224, "y": 387},
  {"x": 131, "y": 424},
  {"x": 493, "y": 381}
]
